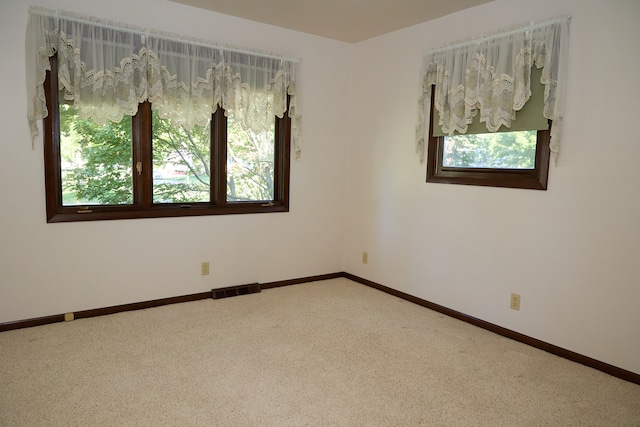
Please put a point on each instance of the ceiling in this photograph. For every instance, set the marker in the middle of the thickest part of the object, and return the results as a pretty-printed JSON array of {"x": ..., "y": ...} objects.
[{"x": 345, "y": 20}]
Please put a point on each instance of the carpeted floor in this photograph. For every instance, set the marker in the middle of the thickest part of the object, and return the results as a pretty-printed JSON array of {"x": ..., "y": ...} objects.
[{"x": 331, "y": 353}]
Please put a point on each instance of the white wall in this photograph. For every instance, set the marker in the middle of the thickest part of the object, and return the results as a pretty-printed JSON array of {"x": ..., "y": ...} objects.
[
  {"x": 48, "y": 269},
  {"x": 572, "y": 252}
]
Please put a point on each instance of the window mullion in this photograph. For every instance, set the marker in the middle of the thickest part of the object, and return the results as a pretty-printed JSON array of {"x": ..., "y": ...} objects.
[
  {"x": 218, "y": 159},
  {"x": 143, "y": 166}
]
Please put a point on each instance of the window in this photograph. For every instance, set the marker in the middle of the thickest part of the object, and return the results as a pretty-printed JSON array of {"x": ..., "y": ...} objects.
[
  {"x": 492, "y": 131},
  {"x": 140, "y": 123},
  {"x": 145, "y": 166},
  {"x": 517, "y": 157},
  {"x": 487, "y": 159}
]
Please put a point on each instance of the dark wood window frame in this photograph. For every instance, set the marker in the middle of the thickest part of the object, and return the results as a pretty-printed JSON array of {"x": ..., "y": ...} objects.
[
  {"x": 535, "y": 179},
  {"x": 142, "y": 206}
]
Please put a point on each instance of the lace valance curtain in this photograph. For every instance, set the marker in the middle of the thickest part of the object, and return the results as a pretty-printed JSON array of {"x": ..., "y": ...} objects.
[
  {"x": 491, "y": 76},
  {"x": 105, "y": 70}
]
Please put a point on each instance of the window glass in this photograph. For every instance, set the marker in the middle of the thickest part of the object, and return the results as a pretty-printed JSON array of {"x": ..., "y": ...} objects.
[
  {"x": 502, "y": 150},
  {"x": 96, "y": 161},
  {"x": 181, "y": 162},
  {"x": 250, "y": 164}
]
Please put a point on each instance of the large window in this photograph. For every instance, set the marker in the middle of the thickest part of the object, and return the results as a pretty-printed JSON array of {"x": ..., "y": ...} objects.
[{"x": 146, "y": 166}]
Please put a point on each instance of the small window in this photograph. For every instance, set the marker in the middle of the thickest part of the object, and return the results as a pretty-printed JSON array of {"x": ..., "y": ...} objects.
[
  {"x": 517, "y": 157},
  {"x": 146, "y": 167}
]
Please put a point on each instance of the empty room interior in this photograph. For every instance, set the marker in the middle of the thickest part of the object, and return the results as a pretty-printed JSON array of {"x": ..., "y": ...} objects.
[{"x": 555, "y": 270}]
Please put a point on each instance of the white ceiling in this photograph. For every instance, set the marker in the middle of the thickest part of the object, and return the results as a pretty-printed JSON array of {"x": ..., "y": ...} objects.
[{"x": 346, "y": 20}]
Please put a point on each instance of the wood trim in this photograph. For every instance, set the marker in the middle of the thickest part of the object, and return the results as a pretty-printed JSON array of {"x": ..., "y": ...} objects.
[
  {"x": 218, "y": 174},
  {"x": 141, "y": 125},
  {"x": 508, "y": 333},
  {"x": 307, "y": 279},
  {"x": 39, "y": 321},
  {"x": 140, "y": 305},
  {"x": 28, "y": 323},
  {"x": 103, "y": 311},
  {"x": 51, "y": 130},
  {"x": 282, "y": 159}
]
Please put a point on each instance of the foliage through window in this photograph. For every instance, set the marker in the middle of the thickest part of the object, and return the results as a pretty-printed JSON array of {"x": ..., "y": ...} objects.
[
  {"x": 144, "y": 166},
  {"x": 500, "y": 150}
]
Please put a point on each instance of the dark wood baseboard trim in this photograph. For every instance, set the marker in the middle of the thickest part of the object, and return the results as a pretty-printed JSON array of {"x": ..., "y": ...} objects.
[
  {"x": 141, "y": 305},
  {"x": 308, "y": 279},
  {"x": 29, "y": 323},
  {"x": 102, "y": 311},
  {"x": 508, "y": 333},
  {"x": 39, "y": 321}
]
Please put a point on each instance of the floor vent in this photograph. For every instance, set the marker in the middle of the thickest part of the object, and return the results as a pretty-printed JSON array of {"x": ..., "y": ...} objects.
[{"x": 233, "y": 291}]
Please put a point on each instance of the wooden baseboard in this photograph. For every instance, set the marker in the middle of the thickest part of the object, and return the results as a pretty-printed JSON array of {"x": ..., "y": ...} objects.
[
  {"x": 102, "y": 311},
  {"x": 508, "y": 333},
  {"x": 28, "y": 323},
  {"x": 39, "y": 321},
  {"x": 307, "y": 279},
  {"x": 533, "y": 342}
]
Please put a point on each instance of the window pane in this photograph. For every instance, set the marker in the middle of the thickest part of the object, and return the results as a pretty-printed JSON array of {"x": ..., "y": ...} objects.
[
  {"x": 96, "y": 160},
  {"x": 181, "y": 162},
  {"x": 250, "y": 164},
  {"x": 500, "y": 150}
]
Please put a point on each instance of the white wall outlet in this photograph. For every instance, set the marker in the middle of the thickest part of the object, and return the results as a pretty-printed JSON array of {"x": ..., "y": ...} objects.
[
  {"x": 204, "y": 268},
  {"x": 515, "y": 302}
]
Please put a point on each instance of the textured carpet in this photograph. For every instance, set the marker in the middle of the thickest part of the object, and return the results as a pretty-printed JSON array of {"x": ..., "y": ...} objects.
[{"x": 330, "y": 353}]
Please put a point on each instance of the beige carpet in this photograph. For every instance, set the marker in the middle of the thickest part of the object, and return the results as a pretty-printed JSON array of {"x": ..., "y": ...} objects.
[{"x": 331, "y": 353}]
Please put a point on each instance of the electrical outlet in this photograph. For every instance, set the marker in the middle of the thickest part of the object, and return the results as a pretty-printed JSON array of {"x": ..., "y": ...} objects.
[
  {"x": 515, "y": 302},
  {"x": 365, "y": 257},
  {"x": 204, "y": 268}
]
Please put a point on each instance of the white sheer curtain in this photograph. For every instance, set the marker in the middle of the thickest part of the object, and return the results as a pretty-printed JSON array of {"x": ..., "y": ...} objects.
[
  {"x": 491, "y": 75},
  {"x": 106, "y": 69}
]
